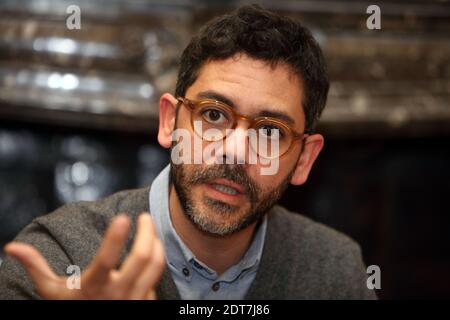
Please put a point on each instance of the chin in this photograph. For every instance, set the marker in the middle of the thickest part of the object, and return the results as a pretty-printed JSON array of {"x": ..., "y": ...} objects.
[{"x": 217, "y": 223}]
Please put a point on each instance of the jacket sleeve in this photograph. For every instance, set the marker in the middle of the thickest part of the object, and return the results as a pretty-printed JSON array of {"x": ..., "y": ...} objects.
[{"x": 15, "y": 283}]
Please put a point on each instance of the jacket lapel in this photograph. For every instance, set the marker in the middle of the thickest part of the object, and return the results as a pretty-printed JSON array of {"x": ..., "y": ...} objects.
[{"x": 267, "y": 281}]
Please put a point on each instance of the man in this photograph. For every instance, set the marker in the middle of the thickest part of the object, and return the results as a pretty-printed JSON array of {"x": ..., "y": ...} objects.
[{"x": 213, "y": 230}]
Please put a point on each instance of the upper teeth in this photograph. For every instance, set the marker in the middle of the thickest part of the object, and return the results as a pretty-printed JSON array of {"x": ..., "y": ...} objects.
[{"x": 225, "y": 189}]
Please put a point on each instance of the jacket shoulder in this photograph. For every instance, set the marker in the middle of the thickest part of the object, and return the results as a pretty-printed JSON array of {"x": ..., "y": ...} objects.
[
  {"x": 126, "y": 201},
  {"x": 302, "y": 229}
]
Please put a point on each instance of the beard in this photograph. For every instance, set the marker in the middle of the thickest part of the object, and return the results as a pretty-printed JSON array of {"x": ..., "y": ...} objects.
[{"x": 216, "y": 217}]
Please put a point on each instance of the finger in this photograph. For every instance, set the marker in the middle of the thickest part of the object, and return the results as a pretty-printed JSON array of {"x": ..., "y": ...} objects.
[
  {"x": 141, "y": 252},
  {"x": 109, "y": 252},
  {"x": 146, "y": 284},
  {"x": 34, "y": 263}
]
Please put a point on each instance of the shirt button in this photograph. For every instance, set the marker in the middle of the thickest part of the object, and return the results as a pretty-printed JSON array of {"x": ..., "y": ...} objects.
[
  {"x": 216, "y": 286},
  {"x": 186, "y": 272}
]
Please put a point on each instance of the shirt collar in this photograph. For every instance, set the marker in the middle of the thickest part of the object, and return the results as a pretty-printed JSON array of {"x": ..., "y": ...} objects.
[{"x": 179, "y": 256}]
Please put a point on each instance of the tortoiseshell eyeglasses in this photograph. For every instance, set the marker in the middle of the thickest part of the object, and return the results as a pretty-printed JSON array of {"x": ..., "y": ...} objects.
[{"x": 213, "y": 114}]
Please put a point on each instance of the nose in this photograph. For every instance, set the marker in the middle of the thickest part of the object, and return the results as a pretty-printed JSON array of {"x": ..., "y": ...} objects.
[{"x": 235, "y": 149}]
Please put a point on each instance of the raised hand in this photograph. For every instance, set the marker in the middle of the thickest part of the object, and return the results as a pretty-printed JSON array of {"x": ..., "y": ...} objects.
[{"x": 136, "y": 279}]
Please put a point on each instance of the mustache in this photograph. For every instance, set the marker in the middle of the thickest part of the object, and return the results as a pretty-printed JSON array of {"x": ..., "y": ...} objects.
[{"x": 232, "y": 172}]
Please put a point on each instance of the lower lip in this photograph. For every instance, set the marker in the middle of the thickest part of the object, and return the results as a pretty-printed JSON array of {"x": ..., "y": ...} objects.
[{"x": 234, "y": 200}]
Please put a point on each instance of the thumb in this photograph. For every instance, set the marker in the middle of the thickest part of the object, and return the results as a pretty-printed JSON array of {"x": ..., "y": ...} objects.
[{"x": 34, "y": 263}]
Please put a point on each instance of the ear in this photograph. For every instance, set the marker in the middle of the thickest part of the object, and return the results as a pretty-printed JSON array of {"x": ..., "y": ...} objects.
[
  {"x": 313, "y": 144},
  {"x": 167, "y": 114}
]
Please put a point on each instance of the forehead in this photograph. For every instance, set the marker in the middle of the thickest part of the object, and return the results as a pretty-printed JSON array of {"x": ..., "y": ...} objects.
[{"x": 252, "y": 85}]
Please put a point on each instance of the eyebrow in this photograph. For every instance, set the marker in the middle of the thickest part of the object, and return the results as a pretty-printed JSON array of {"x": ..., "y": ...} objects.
[{"x": 209, "y": 94}]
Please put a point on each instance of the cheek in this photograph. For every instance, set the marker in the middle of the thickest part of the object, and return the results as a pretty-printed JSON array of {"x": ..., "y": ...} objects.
[
  {"x": 285, "y": 166},
  {"x": 275, "y": 167},
  {"x": 265, "y": 182}
]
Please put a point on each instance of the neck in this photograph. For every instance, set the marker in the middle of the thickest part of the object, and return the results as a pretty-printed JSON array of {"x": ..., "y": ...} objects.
[{"x": 217, "y": 252}]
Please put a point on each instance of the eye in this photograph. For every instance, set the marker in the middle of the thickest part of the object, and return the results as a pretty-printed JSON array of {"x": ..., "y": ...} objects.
[
  {"x": 215, "y": 116},
  {"x": 271, "y": 131}
]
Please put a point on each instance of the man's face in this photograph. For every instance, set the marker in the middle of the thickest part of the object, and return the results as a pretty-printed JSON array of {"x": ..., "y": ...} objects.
[{"x": 224, "y": 198}]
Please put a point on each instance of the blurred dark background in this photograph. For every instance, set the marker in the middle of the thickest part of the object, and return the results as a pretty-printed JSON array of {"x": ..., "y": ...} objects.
[{"x": 78, "y": 118}]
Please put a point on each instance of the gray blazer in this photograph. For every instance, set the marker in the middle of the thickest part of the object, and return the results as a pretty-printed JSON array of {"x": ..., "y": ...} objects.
[{"x": 302, "y": 259}]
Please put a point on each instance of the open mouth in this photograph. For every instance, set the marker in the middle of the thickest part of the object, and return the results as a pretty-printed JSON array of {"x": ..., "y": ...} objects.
[
  {"x": 228, "y": 186},
  {"x": 226, "y": 191}
]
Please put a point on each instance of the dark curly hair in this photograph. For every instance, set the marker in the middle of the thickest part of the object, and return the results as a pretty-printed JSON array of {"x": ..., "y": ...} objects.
[{"x": 266, "y": 36}]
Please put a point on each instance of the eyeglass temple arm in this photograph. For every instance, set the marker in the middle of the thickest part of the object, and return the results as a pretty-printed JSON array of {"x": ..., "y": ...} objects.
[{"x": 184, "y": 102}]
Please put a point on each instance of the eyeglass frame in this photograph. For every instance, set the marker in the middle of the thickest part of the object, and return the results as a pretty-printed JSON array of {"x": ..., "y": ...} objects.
[{"x": 194, "y": 104}]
